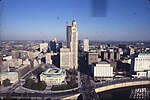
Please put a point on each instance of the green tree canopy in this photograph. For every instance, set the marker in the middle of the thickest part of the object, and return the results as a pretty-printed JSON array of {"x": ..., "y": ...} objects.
[{"x": 6, "y": 82}]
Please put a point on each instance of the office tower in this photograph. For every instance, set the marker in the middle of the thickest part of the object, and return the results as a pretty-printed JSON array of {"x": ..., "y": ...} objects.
[
  {"x": 92, "y": 57},
  {"x": 53, "y": 44},
  {"x": 86, "y": 45},
  {"x": 48, "y": 58},
  {"x": 68, "y": 33},
  {"x": 59, "y": 46},
  {"x": 72, "y": 42},
  {"x": 106, "y": 55},
  {"x": 111, "y": 57},
  {"x": 140, "y": 62},
  {"x": 43, "y": 47},
  {"x": 65, "y": 58},
  {"x": 116, "y": 55}
]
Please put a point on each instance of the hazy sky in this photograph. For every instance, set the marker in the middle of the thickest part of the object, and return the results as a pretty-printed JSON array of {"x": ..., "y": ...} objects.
[{"x": 43, "y": 19}]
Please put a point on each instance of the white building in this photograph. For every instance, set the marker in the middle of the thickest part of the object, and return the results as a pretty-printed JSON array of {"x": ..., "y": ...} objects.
[
  {"x": 65, "y": 58},
  {"x": 141, "y": 74},
  {"x": 48, "y": 58},
  {"x": 72, "y": 42},
  {"x": 141, "y": 64},
  {"x": 86, "y": 45},
  {"x": 13, "y": 63},
  {"x": 26, "y": 62},
  {"x": 7, "y": 58},
  {"x": 12, "y": 76},
  {"x": 131, "y": 50},
  {"x": 53, "y": 76},
  {"x": 43, "y": 47},
  {"x": 102, "y": 70}
]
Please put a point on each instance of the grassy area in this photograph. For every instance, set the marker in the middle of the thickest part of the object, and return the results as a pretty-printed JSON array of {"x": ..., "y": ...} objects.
[
  {"x": 63, "y": 87},
  {"x": 31, "y": 84}
]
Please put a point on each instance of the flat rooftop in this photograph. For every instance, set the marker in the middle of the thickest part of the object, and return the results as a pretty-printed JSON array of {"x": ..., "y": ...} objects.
[
  {"x": 8, "y": 74},
  {"x": 53, "y": 71}
]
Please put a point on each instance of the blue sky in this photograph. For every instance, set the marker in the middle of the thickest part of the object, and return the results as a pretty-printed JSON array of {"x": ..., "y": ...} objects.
[{"x": 126, "y": 20}]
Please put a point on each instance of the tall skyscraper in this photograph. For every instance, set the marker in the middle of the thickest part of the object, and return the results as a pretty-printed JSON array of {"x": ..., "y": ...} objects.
[
  {"x": 68, "y": 33},
  {"x": 53, "y": 44},
  {"x": 86, "y": 44},
  {"x": 65, "y": 58},
  {"x": 72, "y": 42}
]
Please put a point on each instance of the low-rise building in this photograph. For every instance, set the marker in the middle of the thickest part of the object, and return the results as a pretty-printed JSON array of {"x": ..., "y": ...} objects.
[
  {"x": 22, "y": 70},
  {"x": 15, "y": 63},
  {"x": 26, "y": 62},
  {"x": 4, "y": 68},
  {"x": 102, "y": 71},
  {"x": 140, "y": 64},
  {"x": 141, "y": 74},
  {"x": 12, "y": 76},
  {"x": 53, "y": 76}
]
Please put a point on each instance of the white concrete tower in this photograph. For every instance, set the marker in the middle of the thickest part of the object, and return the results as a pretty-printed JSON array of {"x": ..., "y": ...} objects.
[
  {"x": 74, "y": 43},
  {"x": 86, "y": 45}
]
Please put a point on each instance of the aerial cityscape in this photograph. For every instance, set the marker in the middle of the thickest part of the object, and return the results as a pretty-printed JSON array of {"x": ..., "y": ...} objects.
[{"x": 55, "y": 50}]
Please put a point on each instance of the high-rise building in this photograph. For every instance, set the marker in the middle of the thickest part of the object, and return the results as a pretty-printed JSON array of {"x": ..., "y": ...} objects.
[
  {"x": 111, "y": 55},
  {"x": 53, "y": 44},
  {"x": 43, "y": 47},
  {"x": 59, "y": 46},
  {"x": 72, "y": 42},
  {"x": 92, "y": 57},
  {"x": 116, "y": 55},
  {"x": 65, "y": 58},
  {"x": 86, "y": 44},
  {"x": 48, "y": 58},
  {"x": 68, "y": 33}
]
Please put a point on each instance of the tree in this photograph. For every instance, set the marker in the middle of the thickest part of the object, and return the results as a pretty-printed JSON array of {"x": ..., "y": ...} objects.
[
  {"x": 29, "y": 83},
  {"x": 6, "y": 82},
  {"x": 72, "y": 81}
]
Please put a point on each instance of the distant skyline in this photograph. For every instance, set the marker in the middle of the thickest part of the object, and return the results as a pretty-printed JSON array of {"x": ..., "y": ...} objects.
[{"x": 125, "y": 20}]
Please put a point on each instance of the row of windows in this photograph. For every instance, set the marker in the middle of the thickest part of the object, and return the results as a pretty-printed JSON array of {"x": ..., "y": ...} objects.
[{"x": 146, "y": 59}]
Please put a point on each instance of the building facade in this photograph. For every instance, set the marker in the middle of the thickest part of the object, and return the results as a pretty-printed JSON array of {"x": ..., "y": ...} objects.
[
  {"x": 72, "y": 42},
  {"x": 65, "y": 58},
  {"x": 53, "y": 76},
  {"x": 86, "y": 45},
  {"x": 53, "y": 45},
  {"x": 102, "y": 71},
  {"x": 12, "y": 76},
  {"x": 140, "y": 64},
  {"x": 43, "y": 47},
  {"x": 92, "y": 57}
]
